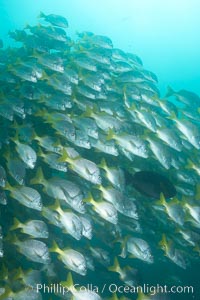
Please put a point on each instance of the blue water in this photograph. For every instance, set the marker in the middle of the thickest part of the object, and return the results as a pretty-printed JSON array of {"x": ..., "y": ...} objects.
[{"x": 165, "y": 34}]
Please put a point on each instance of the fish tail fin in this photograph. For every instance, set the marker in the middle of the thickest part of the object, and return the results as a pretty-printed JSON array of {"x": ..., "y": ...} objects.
[
  {"x": 44, "y": 76},
  {"x": 81, "y": 74},
  {"x": 133, "y": 107},
  {"x": 15, "y": 125},
  {"x": 41, "y": 15},
  {"x": 6, "y": 293},
  {"x": 184, "y": 201},
  {"x": 172, "y": 116},
  {"x": 174, "y": 200},
  {"x": 88, "y": 112},
  {"x": 15, "y": 225},
  {"x": 110, "y": 135},
  {"x": 64, "y": 157},
  {"x": 8, "y": 187},
  {"x": 19, "y": 274},
  {"x": 11, "y": 237},
  {"x": 27, "y": 26},
  {"x": 69, "y": 282},
  {"x": 34, "y": 135},
  {"x": 197, "y": 249},
  {"x": 2, "y": 95},
  {"x": 15, "y": 137},
  {"x": 147, "y": 134},
  {"x": 40, "y": 113},
  {"x": 162, "y": 200},
  {"x": 102, "y": 164},
  {"x": 40, "y": 152},
  {"x": 7, "y": 155},
  {"x": 18, "y": 61},
  {"x": 197, "y": 194},
  {"x": 163, "y": 242},
  {"x": 89, "y": 199},
  {"x": 55, "y": 206},
  {"x": 4, "y": 271},
  {"x": 115, "y": 267},
  {"x": 123, "y": 253},
  {"x": 54, "y": 247},
  {"x": 170, "y": 92},
  {"x": 189, "y": 164},
  {"x": 114, "y": 297},
  {"x": 141, "y": 296},
  {"x": 39, "y": 177},
  {"x": 41, "y": 99},
  {"x": 9, "y": 67}
]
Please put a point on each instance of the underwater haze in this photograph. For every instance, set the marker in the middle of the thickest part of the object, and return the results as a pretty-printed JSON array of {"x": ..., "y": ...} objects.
[
  {"x": 165, "y": 34},
  {"x": 99, "y": 150}
]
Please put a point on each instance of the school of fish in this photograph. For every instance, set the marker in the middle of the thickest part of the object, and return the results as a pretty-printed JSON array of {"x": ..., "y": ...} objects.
[{"x": 78, "y": 119}]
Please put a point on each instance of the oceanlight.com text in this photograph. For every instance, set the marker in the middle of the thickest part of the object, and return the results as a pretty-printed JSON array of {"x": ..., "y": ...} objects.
[{"x": 113, "y": 288}]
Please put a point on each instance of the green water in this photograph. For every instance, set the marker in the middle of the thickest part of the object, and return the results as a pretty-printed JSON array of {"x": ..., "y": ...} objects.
[{"x": 165, "y": 36}]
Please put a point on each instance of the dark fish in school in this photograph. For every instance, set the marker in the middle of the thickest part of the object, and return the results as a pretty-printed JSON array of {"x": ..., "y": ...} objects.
[{"x": 152, "y": 184}]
